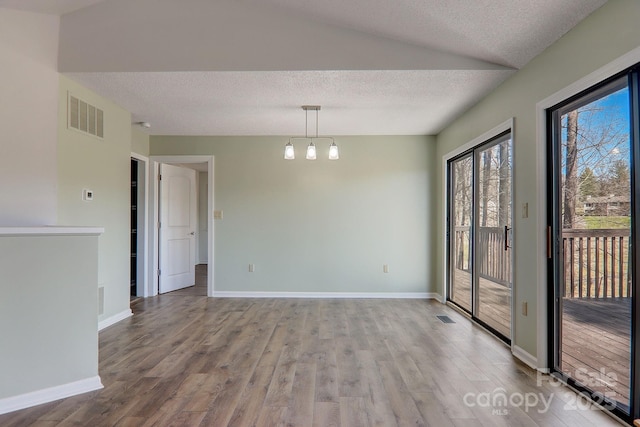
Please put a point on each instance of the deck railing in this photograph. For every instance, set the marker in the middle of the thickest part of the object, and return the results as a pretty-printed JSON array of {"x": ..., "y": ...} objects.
[
  {"x": 596, "y": 262},
  {"x": 493, "y": 261}
]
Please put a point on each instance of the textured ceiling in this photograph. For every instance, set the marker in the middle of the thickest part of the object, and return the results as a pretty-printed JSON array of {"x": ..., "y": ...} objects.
[
  {"x": 244, "y": 67},
  {"x": 53, "y": 7}
]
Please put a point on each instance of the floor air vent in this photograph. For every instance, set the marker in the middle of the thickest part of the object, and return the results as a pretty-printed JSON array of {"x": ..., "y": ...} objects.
[{"x": 445, "y": 319}]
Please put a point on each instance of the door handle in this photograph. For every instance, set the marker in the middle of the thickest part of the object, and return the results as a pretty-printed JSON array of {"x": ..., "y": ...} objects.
[
  {"x": 193, "y": 233},
  {"x": 506, "y": 237}
]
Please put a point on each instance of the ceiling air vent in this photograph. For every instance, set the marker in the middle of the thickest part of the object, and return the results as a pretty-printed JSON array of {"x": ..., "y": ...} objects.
[{"x": 85, "y": 117}]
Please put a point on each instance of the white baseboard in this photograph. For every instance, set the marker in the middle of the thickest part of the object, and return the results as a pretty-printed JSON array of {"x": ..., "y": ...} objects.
[
  {"x": 525, "y": 357},
  {"x": 114, "y": 319},
  {"x": 27, "y": 400},
  {"x": 389, "y": 295}
]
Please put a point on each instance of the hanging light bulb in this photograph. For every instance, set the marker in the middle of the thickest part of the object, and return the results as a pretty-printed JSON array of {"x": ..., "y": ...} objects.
[
  {"x": 333, "y": 151},
  {"x": 289, "y": 153},
  {"x": 311, "y": 151}
]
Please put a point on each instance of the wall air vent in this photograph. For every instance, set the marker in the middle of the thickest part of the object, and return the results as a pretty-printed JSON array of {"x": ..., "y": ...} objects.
[{"x": 85, "y": 117}]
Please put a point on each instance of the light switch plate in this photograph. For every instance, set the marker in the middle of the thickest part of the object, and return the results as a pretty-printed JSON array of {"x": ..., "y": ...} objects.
[{"x": 217, "y": 214}]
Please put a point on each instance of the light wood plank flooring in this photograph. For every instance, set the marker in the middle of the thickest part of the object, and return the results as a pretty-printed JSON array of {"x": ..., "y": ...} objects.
[{"x": 191, "y": 360}]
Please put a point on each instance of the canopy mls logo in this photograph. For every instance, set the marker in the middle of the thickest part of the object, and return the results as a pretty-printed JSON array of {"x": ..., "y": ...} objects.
[{"x": 501, "y": 401}]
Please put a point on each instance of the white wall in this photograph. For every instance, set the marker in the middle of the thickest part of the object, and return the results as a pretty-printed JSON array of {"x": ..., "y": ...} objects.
[
  {"x": 28, "y": 117},
  {"x": 608, "y": 33},
  {"x": 320, "y": 226}
]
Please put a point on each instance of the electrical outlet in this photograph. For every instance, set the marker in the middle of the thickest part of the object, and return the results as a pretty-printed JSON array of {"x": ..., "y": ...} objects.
[
  {"x": 385, "y": 268},
  {"x": 252, "y": 268}
]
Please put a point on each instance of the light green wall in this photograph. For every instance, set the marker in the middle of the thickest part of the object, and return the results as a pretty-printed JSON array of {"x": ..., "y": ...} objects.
[
  {"x": 139, "y": 141},
  {"x": 48, "y": 320},
  {"x": 607, "y": 34},
  {"x": 102, "y": 165},
  {"x": 320, "y": 226}
]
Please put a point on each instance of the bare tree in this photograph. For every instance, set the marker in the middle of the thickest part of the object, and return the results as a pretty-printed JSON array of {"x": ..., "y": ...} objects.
[
  {"x": 486, "y": 174},
  {"x": 504, "y": 198},
  {"x": 571, "y": 176}
]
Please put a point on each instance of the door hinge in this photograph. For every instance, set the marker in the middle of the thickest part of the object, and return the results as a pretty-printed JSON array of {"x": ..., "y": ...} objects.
[
  {"x": 159, "y": 271},
  {"x": 159, "y": 177},
  {"x": 549, "y": 246},
  {"x": 158, "y": 224}
]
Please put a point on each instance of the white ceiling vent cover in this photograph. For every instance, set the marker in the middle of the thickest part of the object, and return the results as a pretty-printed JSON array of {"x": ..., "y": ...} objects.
[{"x": 85, "y": 117}]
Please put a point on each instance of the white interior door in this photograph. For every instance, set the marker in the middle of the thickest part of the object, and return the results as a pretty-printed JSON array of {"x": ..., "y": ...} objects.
[{"x": 178, "y": 211}]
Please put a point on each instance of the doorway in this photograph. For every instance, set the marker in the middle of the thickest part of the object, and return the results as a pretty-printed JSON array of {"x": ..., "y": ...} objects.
[
  {"x": 154, "y": 173},
  {"x": 138, "y": 227},
  {"x": 479, "y": 233},
  {"x": 133, "y": 269}
]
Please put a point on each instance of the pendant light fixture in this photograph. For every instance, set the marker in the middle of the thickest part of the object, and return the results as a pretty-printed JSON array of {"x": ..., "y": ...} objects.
[
  {"x": 311, "y": 149},
  {"x": 333, "y": 152},
  {"x": 289, "y": 151}
]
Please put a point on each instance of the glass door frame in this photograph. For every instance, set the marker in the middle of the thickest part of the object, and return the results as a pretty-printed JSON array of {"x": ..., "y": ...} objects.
[
  {"x": 473, "y": 152},
  {"x": 554, "y": 236}
]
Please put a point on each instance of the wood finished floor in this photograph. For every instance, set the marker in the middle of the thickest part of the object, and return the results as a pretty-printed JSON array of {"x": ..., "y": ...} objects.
[{"x": 190, "y": 360}]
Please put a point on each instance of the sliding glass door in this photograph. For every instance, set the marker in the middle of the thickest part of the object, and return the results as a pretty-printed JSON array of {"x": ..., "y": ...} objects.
[
  {"x": 592, "y": 239},
  {"x": 480, "y": 200}
]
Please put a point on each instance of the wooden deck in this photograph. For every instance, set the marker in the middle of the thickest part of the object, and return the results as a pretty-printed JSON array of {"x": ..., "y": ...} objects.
[
  {"x": 595, "y": 334},
  {"x": 495, "y": 301},
  {"x": 596, "y": 341}
]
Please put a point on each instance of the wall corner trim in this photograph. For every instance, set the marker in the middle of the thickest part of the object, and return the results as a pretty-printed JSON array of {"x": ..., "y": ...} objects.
[
  {"x": 50, "y": 394},
  {"x": 525, "y": 357},
  {"x": 114, "y": 319}
]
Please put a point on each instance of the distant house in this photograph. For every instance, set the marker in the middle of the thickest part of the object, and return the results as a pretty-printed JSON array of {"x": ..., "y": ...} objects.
[{"x": 610, "y": 205}]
